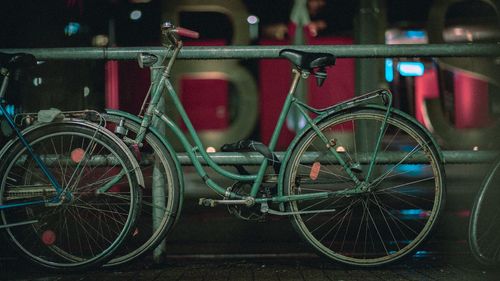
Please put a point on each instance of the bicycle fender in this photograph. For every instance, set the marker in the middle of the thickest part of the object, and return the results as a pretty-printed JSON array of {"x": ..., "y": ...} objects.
[
  {"x": 166, "y": 144},
  {"x": 322, "y": 117}
]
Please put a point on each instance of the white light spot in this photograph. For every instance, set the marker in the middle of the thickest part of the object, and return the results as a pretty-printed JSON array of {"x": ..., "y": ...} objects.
[
  {"x": 135, "y": 15},
  {"x": 86, "y": 91},
  {"x": 475, "y": 148},
  {"x": 252, "y": 19},
  {"x": 211, "y": 149},
  {"x": 37, "y": 81},
  {"x": 340, "y": 149}
]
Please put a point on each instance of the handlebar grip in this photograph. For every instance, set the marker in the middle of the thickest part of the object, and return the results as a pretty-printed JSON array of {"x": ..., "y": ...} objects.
[{"x": 184, "y": 32}]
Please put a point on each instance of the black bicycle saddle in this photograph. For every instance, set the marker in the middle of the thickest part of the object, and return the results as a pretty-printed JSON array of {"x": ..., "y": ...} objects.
[{"x": 308, "y": 60}]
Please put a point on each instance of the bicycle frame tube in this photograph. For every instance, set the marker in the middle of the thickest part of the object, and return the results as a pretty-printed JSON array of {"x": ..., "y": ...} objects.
[
  {"x": 198, "y": 146},
  {"x": 330, "y": 148},
  {"x": 379, "y": 140}
]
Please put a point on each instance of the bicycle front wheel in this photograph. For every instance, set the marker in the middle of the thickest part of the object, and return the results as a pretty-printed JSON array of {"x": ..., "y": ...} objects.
[
  {"x": 400, "y": 198},
  {"x": 87, "y": 224},
  {"x": 484, "y": 225}
]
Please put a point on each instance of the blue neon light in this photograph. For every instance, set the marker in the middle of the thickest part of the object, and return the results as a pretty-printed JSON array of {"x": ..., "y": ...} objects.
[
  {"x": 421, "y": 254},
  {"x": 10, "y": 109},
  {"x": 71, "y": 28},
  {"x": 411, "y": 68},
  {"x": 389, "y": 72},
  {"x": 412, "y": 212},
  {"x": 415, "y": 34}
]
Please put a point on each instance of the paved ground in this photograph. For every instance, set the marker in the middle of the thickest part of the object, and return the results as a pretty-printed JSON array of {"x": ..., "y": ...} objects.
[
  {"x": 209, "y": 244},
  {"x": 276, "y": 269}
]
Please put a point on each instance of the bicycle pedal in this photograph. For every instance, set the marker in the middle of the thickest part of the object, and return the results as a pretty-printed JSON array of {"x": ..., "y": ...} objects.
[
  {"x": 206, "y": 202},
  {"x": 356, "y": 167}
]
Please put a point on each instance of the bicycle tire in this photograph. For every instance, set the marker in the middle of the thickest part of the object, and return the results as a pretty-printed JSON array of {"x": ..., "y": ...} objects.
[
  {"x": 87, "y": 228},
  {"x": 484, "y": 224},
  {"x": 386, "y": 222},
  {"x": 145, "y": 237}
]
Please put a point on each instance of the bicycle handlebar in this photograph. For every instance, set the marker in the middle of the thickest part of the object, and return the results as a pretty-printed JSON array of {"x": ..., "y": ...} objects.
[
  {"x": 184, "y": 32},
  {"x": 173, "y": 33}
]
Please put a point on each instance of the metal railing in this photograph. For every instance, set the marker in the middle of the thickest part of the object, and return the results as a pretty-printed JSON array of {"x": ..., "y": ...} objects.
[{"x": 260, "y": 52}]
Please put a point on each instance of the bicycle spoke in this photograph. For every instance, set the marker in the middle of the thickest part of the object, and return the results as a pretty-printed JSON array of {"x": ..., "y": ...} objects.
[{"x": 374, "y": 230}]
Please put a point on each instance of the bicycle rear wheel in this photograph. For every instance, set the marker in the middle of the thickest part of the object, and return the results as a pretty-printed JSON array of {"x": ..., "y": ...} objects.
[
  {"x": 88, "y": 225},
  {"x": 160, "y": 207},
  {"x": 402, "y": 200},
  {"x": 484, "y": 225}
]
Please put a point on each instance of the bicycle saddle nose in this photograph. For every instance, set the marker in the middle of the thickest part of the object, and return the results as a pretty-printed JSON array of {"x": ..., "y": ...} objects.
[{"x": 308, "y": 60}]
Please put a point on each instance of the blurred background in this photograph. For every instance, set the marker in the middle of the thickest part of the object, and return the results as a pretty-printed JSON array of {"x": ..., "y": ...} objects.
[{"x": 458, "y": 99}]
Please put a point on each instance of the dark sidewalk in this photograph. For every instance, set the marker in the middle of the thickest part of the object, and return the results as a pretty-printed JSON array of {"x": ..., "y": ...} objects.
[
  {"x": 210, "y": 244},
  {"x": 457, "y": 267}
]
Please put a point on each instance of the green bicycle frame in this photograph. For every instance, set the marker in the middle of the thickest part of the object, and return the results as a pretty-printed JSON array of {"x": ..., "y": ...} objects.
[{"x": 152, "y": 111}]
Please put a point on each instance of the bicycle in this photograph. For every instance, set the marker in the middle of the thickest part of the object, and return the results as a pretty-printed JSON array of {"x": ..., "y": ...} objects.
[
  {"x": 484, "y": 229},
  {"x": 357, "y": 199},
  {"x": 69, "y": 189}
]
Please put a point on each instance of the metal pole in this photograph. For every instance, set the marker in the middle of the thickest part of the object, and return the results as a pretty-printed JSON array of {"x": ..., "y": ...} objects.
[
  {"x": 158, "y": 181},
  {"x": 254, "y": 158},
  {"x": 259, "y": 52},
  {"x": 300, "y": 17},
  {"x": 370, "y": 21}
]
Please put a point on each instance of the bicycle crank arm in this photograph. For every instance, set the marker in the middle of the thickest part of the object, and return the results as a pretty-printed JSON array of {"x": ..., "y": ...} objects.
[{"x": 213, "y": 202}]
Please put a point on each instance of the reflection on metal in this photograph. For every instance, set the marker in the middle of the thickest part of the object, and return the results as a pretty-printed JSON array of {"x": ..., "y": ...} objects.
[
  {"x": 459, "y": 139},
  {"x": 235, "y": 10},
  {"x": 245, "y": 106}
]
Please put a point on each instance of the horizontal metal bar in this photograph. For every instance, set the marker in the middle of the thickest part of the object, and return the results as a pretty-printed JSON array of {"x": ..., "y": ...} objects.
[
  {"x": 259, "y": 52},
  {"x": 254, "y": 158}
]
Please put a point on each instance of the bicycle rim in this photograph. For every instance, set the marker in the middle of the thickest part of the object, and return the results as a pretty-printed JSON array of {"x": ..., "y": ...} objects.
[
  {"x": 85, "y": 229},
  {"x": 384, "y": 223},
  {"x": 484, "y": 226}
]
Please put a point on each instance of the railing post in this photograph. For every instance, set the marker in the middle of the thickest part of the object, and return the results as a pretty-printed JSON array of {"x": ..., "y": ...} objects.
[
  {"x": 300, "y": 17},
  {"x": 158, "y": 184},
  {"x": 369, "y": 22}
]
